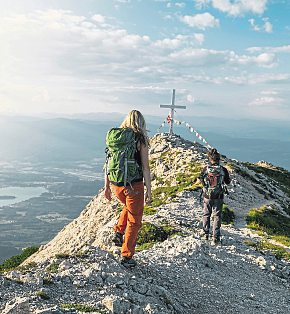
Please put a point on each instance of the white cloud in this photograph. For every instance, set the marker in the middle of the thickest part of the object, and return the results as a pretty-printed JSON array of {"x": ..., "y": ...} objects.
[
  {"x": 179, "y": 41},
  {"x": 267, "y": 101},
  {"x": 190, "y": 98},
  {"x": 266, "y": 27},
  {"x": 235, "y": 7},
  {"x": 245, "y": 79},
  {"x": 201, "y": 4},
  {"x": 98, "y": 18},
  {"x": 180, "y": 4},
  {"x": 199, "y": 38},
  {"x": 266, "y": 60},
  {"x": 201, "y": 21},
  {"x": 279, "y": 49},
  {"x": 269, "y": 92},
  {"x": 51, "y": 57}
]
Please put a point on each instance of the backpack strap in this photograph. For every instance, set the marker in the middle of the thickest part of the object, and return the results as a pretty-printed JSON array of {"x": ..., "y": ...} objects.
[{"x": 107, "y": 152}]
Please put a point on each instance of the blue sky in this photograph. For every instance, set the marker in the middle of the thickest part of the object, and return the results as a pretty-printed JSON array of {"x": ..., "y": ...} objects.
[{"x": 224, "y": 57}]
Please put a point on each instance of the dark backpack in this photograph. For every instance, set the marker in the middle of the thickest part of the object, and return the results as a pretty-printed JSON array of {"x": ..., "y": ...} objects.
[
  {"x": 214, "y": 181},
  {"x": 121, "y": 164}
]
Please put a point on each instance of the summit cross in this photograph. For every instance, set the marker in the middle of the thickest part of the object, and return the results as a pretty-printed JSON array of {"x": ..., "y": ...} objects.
[{"x": 172, "y": 107}]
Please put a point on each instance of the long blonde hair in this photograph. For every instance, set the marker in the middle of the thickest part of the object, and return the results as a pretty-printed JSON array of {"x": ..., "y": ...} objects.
[{"x": 136, "y": 121}]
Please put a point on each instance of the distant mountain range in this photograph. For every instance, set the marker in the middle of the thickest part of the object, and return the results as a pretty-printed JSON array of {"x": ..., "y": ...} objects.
[{"x": 55, "y": 140}]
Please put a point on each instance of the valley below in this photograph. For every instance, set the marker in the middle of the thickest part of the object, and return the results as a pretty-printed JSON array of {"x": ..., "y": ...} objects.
[{"x": 37, "y": 200}]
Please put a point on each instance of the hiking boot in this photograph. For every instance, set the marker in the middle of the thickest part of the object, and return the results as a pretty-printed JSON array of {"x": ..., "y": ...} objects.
[
  {"x": 118, "y": 239},
  {"x": 128, "y": 262},
  {"x": 216, "y": 241}
]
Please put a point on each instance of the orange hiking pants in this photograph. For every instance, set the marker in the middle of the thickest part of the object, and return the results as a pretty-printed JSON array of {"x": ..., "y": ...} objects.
[{"x": 130, "y": 220}]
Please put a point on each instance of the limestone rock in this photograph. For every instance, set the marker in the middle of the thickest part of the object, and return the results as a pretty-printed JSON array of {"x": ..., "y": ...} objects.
[{"x": 17, "y": 306}]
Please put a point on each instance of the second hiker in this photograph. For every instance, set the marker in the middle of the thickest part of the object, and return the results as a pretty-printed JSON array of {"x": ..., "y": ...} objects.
[
  {"x": 127, "y": 165},
  {"x": 213, "y": 178}
]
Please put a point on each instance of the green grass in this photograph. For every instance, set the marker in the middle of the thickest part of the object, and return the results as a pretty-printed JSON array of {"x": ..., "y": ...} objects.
[
  {"x": 62, "y": 255},
  {"x": 149, "y": 210},
  {"x": 278, "y": 251},
  {"x": 228, "y": 216},
  {"x": 53, "y": 267},
  {"x": 144, "y": 246},
  {"x": 164, "y": 194},
  {"x": 47, "y": 281},
  {"x": 81, "y": 307},
  {"x": 15, "y": 261},
  {"x": 150, "y": 234},
  {"x": 119, "y": 208},
  {"x": 270, "y": 221},
  {"x": 42, "y": 295}
]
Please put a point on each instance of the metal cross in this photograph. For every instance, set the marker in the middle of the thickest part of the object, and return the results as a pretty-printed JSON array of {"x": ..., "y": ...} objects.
[{"x": 172, "y": 107}]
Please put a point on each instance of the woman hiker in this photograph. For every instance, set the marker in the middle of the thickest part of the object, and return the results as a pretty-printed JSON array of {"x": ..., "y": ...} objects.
[{"x": 127, "y": 168}]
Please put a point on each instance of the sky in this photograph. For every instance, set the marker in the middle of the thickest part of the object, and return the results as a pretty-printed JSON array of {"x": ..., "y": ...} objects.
[{"x": 225, "y": 58}]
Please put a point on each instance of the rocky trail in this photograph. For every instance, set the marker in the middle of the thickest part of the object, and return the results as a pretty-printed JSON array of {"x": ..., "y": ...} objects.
[{"x": 79, "y": 270}]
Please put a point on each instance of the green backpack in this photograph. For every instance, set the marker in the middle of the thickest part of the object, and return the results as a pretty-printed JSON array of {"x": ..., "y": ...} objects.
[{"x": 121, "y": 165}]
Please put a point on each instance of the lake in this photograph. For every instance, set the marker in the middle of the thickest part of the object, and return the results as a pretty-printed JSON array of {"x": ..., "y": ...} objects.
[{"x": 13, "y": 194}]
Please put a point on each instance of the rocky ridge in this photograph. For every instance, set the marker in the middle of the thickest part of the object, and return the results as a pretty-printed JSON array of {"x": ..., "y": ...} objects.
[{"x": 79, "y": 269}]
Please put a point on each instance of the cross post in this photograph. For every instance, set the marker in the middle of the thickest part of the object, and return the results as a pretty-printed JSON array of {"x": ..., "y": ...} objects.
[{"x": 172, "y": 107}]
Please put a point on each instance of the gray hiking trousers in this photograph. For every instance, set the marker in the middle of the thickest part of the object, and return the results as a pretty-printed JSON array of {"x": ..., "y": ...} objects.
[{"x": 214, "y": 208}]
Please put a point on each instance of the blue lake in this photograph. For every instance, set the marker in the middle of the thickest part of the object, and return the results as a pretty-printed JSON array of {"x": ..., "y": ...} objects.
[{"x": 13, "y": 194}]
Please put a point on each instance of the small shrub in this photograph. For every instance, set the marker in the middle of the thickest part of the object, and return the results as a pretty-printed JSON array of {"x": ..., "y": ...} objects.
[
  {"x": 149, "y": 234},
  {"x": 80, "y": 307},
  {"x": 53, "y": 267},
  {"x": 41, "y": 294},
  {"x": 119, "y": 209},
  {"x": 149, "y": 210},
  {"x": 15, "y": 261},
  {"x": 62, "y": 255},
  {"x": 278, "y": 251},
  {"x": 47, "y": 281},
  {"x": 27, "y": 267},
  {"x": 270, "y": 221},
  {"x": 144, "y": 246},
  {"x": 228, "y": 215}
]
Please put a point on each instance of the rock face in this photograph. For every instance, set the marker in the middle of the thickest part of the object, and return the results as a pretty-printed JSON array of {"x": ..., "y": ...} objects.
[{"x": 79, "y": 269}]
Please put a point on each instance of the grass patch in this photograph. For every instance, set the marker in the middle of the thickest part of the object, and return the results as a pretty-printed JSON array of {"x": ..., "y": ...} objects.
[
  {"x": 62, "y": 255},
  {"x": 14, "y": 261},
  {"x": 47, "y": 281},
  {"x": 228, "y": 215},
  {"x": 42, "y": 295},
  {"x": 119, "y": 209},
  {"x": 270, "y": 221},
  {"x": 53, "y": 267},
  {"x": 27, "y": 267},
  {"x": 149, "y": 210},
  {"x": 144, "y": 246},
  {"x": 278, "y": 251},
  {"x": 81, "y": 307},
  {"x": 163, "y": 194},
  {"x": 150, "y": 234}
]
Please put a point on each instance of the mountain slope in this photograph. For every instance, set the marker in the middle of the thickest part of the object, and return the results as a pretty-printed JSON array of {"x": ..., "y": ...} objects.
[{"x": 182, "y": 274}]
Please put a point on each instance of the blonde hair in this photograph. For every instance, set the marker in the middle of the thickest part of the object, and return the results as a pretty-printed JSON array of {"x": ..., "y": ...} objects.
[{"x": 136, "y": 121}]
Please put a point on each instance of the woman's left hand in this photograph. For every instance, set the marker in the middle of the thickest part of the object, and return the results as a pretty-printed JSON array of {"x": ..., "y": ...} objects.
[{"x": 148, "y": 197}]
